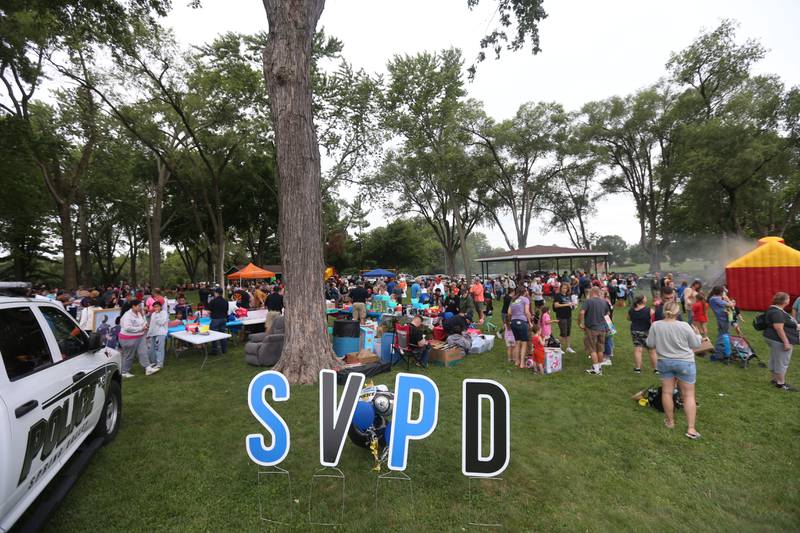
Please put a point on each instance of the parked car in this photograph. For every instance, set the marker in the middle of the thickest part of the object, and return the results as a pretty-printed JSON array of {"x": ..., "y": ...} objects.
[{"x": 59, "y": 386}]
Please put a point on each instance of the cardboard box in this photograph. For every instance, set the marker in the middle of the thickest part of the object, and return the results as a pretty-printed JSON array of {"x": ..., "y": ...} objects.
[
  {"x": 553, "y": 360},
  {"x": 365, "y": 356},
  {"x": 445, "y": 354},
  {"x": 367, "y": 340}
]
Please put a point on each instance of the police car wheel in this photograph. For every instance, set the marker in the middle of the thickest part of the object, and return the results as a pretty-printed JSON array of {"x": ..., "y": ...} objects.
[{"x": 110, "y": 418}]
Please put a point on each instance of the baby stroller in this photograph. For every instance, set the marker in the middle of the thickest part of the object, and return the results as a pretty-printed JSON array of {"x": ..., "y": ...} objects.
[{"x": 742, "y": 351}]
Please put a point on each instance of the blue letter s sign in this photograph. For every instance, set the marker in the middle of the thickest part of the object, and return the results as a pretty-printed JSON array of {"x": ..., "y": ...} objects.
[{"x": 266, "y": 415}]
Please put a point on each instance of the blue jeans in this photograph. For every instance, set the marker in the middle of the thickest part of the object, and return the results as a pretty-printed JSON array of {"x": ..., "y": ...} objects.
[
  {"x": 155, "y": 349},
  {"x": 608, "y": 349},
  {"x": 684, "y": 370},
  {"x": 218, "y": 324},
  {"x": 723, "y": 326}
]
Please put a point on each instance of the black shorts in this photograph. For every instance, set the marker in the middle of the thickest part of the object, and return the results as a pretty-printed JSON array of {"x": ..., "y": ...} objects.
[
  {"x": 565, "y": 326},
  {"x": 520, "y": 330},
  {"x": 538, "y": 303}
]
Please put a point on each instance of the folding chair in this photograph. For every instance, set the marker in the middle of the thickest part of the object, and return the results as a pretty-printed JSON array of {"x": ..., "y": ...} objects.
[{"x": 403, "y": 347}]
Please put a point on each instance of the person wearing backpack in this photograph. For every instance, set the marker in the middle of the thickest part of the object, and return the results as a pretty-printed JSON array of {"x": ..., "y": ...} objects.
[{"x": 780, "y": 334}]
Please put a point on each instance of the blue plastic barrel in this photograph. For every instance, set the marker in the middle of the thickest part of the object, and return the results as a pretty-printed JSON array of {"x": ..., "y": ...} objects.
[{"x": 345, "y": 345}]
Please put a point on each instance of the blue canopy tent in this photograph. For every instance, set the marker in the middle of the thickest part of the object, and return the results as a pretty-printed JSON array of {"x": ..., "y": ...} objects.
[{"x": 379, "y": 273}]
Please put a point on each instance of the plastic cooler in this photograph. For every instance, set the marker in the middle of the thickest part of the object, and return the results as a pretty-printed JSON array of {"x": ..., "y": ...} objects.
[
  {"x": 345, "y": 345},
  {"x": 346, "y": 335},
  {"x": 387, "y": 339}
]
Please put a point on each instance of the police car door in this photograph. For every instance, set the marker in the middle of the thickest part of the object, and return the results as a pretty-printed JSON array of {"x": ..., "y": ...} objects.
[
  {"x": 29, "y": 379},
  {"x": 87, "y": 374}
]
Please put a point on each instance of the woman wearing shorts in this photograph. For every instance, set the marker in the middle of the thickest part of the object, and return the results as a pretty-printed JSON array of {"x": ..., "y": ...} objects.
[
  {"x": 781, "y": 334},
  {"x": 519, "y": 316},
  {"x": 562, "y": 304},
  {"x": 639, "y": 315},
  {"x": 674, "y": 342}
]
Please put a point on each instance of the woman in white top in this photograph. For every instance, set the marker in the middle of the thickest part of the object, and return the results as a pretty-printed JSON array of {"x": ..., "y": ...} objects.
[
  {"x": 133, "y": 327},
  {"x": 675, "y": 342}
]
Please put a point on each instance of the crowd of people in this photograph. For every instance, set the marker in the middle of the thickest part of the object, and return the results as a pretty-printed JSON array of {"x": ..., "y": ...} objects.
[
  {"x": 140, "y": 329},
  {"x": 670, "y": 324}
]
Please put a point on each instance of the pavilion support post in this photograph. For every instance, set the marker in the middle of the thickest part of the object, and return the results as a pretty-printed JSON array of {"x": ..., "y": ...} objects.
[
  {"x": 558, "y": 272},
  {"x": 571, "y": 270},
  {"x": 540, "y": 265},
  {"x": 596, "y": 272}
]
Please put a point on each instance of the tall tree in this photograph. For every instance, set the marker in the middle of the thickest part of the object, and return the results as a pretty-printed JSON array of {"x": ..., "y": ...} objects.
[
  {"x": 635, "y": 137},
  {"x": 287, "y": 68},
  {"x": 30, "y": 34},
  {"x": 431, "y": 173},
  {"x": 738, "y": 154},
  {"x": 522, "y": 152}
]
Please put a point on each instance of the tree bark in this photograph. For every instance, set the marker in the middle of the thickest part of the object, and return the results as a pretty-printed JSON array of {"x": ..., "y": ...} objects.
[
  {"x": 450, "y": 261},
  {"x": 155, "y": 223},
  {"x": 287, "y": 68},
  {"x": 220, "y": 249},
  {"x": 462, "y": 236},
  {"x": 68, "y": 246},
  {"x": 85, "y": 247}
]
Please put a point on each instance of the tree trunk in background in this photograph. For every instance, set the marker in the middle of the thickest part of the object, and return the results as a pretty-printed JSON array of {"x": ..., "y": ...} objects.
[
  {"x": 220, "y": 250},
  {"x": 154, "y": 230},
  {"x": 463, "y": 238},
  {"x": 450, "y": 261},
  {"x": 68, "y": 246},
  {"x": 85, "y": 246},
  {"x": 287, "y": 64}
]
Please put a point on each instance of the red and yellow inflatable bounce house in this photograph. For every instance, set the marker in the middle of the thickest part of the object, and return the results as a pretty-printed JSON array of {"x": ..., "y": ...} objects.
[{"x": 756, "y": 276}]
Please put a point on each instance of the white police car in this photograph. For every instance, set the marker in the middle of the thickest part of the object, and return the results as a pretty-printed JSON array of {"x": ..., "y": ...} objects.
[{"x": 58, "y": 386}]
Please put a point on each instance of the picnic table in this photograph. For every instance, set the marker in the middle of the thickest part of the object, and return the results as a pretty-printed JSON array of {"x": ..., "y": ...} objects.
[{"x": 200, "y": 341}]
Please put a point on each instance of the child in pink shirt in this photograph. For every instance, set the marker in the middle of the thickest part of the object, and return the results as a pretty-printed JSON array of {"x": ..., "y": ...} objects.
[{"x": 544, "y": 322}]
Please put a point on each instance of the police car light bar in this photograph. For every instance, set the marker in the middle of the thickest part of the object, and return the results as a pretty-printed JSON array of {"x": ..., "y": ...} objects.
[{"x": 15, "y": 288}]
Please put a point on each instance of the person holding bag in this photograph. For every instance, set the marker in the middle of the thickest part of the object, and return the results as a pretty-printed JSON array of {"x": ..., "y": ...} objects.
[{"x": 781, "y": 333}]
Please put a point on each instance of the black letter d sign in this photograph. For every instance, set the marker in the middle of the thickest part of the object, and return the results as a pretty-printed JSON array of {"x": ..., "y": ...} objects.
[{"x": 473, "y": 462}]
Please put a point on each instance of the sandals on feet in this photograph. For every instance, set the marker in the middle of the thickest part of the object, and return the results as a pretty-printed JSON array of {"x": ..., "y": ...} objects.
[
  {"x": 668, "y": 424},
  {"x": 693, "y": 436}
]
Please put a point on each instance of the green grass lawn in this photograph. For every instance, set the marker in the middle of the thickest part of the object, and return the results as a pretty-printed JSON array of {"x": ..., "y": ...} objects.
[{"x": 583, "y": 455}]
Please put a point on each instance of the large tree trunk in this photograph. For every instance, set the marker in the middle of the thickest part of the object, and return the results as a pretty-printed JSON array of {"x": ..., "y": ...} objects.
[
  {"x": 287, "y": 65},
  {"x": 85, "y": 245},
  {"x": 68, "y": 246}
]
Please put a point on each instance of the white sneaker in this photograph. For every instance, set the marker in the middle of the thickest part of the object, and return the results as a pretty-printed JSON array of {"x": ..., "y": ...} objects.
[
  {"x": 594, "y": 372},
  {"x": 127, "y": 375},
  {"x": 606, "y": 362},
  {"x": 570, "y": 350},
  {"x": 150, "y": 370}
]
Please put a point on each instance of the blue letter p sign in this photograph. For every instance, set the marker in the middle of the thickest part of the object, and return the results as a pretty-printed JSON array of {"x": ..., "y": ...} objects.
[{"x": 404, "y": 428}]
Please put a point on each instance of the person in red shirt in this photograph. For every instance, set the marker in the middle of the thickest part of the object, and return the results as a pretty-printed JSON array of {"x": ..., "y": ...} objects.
[
  {"x": 538, "y": 349},
  {"x": 700, "y": 313},
  {"x": 476, "y": 290}
]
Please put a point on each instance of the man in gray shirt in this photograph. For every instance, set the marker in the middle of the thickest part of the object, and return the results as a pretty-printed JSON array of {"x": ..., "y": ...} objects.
[{"x": 592, "y": 321}]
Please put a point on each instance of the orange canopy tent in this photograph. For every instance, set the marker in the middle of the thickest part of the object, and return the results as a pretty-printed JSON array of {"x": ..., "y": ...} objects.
[
  {"x": 756, "y": 276},
  {"x": 252, "y": 272}
]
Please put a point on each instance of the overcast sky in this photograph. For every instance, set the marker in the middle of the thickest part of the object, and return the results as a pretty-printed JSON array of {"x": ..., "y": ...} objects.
[{"x": 590, "y": 50}]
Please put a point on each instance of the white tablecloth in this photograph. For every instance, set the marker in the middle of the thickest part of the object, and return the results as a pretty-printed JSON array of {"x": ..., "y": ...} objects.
[{"x": 198, "y": 339}]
